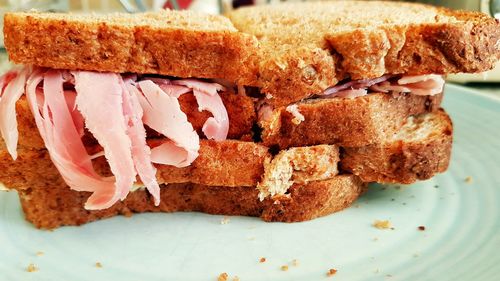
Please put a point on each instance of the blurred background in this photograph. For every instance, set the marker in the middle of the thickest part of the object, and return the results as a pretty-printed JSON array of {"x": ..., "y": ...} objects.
[{"x": 489, "y": 80}]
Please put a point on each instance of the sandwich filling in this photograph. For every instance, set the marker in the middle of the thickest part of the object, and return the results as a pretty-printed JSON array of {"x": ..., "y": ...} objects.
[
  {"x": 424, "y": 85},
  {"x": 115, "y": 109}
]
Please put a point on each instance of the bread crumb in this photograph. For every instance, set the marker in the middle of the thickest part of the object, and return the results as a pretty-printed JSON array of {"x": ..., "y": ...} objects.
[
  {"x": 421, "y": 228},
  {"x": 31, "y": 268},
  {"x": 331, "y": 272},
  {"x": 297, "y": 116},
  {"x": 284, "y": 267},
  {"x": 468, "y": 179},
  {"x": 262, "y": 260},
  {"x": 39, "y": 253},
  {"x": 236, "y": 278},
  {"x": 222, "y": 277},
  {"x": 225, "y": 220},
  {"x": 295, "y": 262},
  {"x": 375, "y": 238},
  {"x": 98, "y": 265},
  {"x": 382, "y": 224}
]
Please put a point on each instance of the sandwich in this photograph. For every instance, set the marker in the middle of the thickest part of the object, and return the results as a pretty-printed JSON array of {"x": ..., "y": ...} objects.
[{"x": 283, "y": 112}]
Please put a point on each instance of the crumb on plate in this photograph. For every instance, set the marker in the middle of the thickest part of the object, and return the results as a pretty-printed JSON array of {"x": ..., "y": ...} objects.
[
  {"x": 31, "y": 268},
  {"x": 98, "y": 265},
  {"x": 295, "y": 262},
  {"x": 262, "y": 260},
  {"x": 39, "y": 253},
  {"x": 331, "y": 272},
  {"x": 222, "y": 277},
  {"x": 421, "y": 228},
  {"x": 236, "y": 278},
  {"x": 468, "y": 179},
  {"x": 225, "y": 220},
  {"x": 284, "y": 267},
  {"x": 382, "y": 224}
]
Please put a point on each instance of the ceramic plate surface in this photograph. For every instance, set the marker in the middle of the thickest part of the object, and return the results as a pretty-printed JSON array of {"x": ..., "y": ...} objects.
[{"x": 461, "y": 240}]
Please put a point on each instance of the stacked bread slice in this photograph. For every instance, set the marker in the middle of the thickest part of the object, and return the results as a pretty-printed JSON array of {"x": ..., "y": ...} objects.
[{"x": 292, "y": 152}]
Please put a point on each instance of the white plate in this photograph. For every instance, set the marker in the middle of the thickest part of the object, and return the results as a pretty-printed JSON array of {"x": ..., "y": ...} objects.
[{"x": 461, "y": 240}]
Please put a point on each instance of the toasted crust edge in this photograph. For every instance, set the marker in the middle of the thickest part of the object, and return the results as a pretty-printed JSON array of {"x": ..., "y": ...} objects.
[
  {"x": 400, "y": 161},
  {"x": 58, "y": 205},
  {"x": 115, "y": 47}
]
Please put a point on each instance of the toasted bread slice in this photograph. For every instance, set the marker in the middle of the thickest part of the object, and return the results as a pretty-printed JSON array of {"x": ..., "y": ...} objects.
[
  {"x": 298, "y": 165},
  {"x": 418, "y": 151},
  {"x": 183, "y": 44},
  {"x": 240, "y": 109},
  {"x": 225, "y": 163},
  {"x": 56, "y": 205},
  {"x": 307, "y": 47},
  {"x": 345, "y": 122}
]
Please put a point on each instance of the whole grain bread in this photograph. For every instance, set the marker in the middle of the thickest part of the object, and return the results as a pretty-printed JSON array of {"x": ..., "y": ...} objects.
[
  {"x": 418, "y": 151},
  {"x": 343, "y": 121},
  {"x": 224, "y": 163},
  {"x": 307, "y": 47},
  {"x": 290, "y": 51},
  {"x": 183, "y": 44},
  {"x": 298, "y": 165},
  {"x": 50, "y": 205}
]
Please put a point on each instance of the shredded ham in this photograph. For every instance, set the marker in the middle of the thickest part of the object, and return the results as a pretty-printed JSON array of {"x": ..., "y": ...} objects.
[
  {"x": 63, "y": 142},
  {"x": 14, "y": 82},
  {"x": 163, "y": 114},
  {"x": 430, "y": 84},
  {"x": 114, "y": 108}
]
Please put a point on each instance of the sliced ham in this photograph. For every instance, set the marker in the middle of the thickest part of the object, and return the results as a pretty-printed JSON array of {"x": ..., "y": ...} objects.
[
  {"x": 206, "y": 87},
  {"x": 215, "y": 127},
  {"x": 114, "y": 109},
  {"x": 99, "y": 99},
  {"x": 431, "y": 84},
  {"x": 353, "y": 85},
  {"x": 141, "y": 153},
  {"x": 163, "y": 114},
  {"x": 12, "y": 92},
  {"x": 62, "y": 140}
]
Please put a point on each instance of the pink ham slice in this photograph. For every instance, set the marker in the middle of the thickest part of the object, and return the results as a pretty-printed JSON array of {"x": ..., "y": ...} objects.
[
  {"x": 209, "y": 88},
  {"x": 215, "y": 127},
  {"x": 99, "y": 99},
  {"x": 112, "y": 111},
  {"x": 14, "y": 89},
  {"x": 141, "y": 153},
  {"x": 63, "y": 142},
  {"x": 430, "y": 84},
  {"x": 163, "y": 114}
]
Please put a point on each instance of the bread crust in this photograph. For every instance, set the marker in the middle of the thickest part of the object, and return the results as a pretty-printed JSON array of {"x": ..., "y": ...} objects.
[
  {"x": 402, "y": 160},
  {"x": 307, "y": 47},
  {"x": 289, "y": 55},
  {"x": 345, "y": 122},
  {"x": 226, "y": 163},
  {"x": 56, "y": 205},
  {"x": 159, "y": 43}
]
